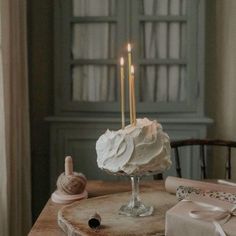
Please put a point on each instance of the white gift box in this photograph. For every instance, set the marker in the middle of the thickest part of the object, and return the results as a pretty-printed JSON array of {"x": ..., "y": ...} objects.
[{"x": 195, "y": 218}]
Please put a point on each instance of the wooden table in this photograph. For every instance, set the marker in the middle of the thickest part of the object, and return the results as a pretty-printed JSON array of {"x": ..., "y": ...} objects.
[{"x": 46, "y": 223}]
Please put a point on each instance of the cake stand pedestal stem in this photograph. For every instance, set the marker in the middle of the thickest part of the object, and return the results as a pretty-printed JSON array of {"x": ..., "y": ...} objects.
[
  {"x": 135, "y": 207},
  {"x": 135, "y": 191}
]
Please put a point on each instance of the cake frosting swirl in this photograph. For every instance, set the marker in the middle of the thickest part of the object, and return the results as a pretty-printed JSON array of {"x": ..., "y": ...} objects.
[{"x": 135, "y": 149}]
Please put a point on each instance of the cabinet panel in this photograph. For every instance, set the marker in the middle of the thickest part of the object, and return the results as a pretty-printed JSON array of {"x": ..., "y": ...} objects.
[
  {"x": 78, "y": 141},
  {"x": 84, "y": 156}
]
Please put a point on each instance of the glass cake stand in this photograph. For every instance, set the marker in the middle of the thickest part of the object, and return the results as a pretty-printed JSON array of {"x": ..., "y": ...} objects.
[{"x": 135, "y": 207}]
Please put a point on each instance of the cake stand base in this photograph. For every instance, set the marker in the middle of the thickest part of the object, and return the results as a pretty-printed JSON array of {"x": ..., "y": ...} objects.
[{"x": 139, "y": 210}]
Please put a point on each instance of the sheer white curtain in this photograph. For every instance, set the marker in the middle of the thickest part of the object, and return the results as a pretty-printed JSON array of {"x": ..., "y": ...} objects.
[
  {"x": 159, "y": 40},
  {"x": 93, "y": 41},
  {"x": 15, "y": 191},
  {"x": 163, "y": 40}
]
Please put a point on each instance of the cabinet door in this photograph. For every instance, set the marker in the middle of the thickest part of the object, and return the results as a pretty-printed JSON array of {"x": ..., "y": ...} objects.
[
  {"x": 165, "y": 35},
  {"x": 90, "y": 37},
  {"x": 77, "y": 140}
]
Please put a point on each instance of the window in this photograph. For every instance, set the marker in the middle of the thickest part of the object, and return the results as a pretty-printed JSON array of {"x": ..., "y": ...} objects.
[{"x": 91, "y": 35}]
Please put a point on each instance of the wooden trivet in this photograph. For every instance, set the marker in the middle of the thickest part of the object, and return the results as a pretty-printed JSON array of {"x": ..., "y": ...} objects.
[{"x": 73, "y": 219}]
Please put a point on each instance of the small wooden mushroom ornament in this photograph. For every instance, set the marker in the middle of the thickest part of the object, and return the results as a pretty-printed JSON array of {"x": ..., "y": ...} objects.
[{"x": 70, "y": 185}]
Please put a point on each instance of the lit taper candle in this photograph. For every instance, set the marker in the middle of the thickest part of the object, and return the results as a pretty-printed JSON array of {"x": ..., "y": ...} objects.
[
  {"x": 122, "y": 92},
  {"x": 133, "y": 94},
  {"x": 130, "y": 85}
]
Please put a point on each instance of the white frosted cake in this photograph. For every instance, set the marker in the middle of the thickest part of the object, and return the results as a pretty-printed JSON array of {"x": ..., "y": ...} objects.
[{"x": 135, "y": 149}]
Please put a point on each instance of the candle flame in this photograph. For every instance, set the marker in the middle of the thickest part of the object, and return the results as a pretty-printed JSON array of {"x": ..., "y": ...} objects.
[
  {"x": 132, "y": 69},
  {"x": 122, "y": 61},
  {"x": 129, "y": 47}
]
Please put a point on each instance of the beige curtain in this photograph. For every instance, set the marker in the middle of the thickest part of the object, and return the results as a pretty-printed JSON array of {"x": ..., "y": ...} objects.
[
  {"x": 221, "y": 81},
  {"x": 15, "y": 191},
  {"x": 3, "y": 164}
]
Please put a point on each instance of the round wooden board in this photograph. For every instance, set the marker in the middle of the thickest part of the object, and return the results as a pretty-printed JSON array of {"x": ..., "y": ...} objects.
[{"x": 73, "y": 219}]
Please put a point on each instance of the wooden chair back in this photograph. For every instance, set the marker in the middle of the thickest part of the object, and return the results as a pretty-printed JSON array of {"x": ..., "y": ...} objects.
[{"x": 203, "y": 143}]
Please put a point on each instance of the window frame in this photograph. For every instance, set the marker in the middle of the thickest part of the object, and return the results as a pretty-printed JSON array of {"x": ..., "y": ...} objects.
[{"x": 63, "y": 62}]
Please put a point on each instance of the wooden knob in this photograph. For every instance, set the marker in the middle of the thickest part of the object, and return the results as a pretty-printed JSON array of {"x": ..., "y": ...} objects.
[{"x": 68, "y": 165}]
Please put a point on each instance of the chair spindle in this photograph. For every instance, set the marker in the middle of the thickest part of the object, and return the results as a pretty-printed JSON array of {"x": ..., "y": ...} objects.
[
  {"x": 177, "y": 162},
  {"x": 228, "y": 164},
  {"x": 203, "y": 144},
  {"x": 203, "y": 163}
]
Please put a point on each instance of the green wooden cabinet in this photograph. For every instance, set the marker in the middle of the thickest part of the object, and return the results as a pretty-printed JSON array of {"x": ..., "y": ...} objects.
[{"x": 167, "y": 38}]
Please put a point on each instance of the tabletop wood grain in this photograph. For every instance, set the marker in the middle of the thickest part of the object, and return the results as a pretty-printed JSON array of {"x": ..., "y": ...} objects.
[{"x": 46, "y": 224}]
